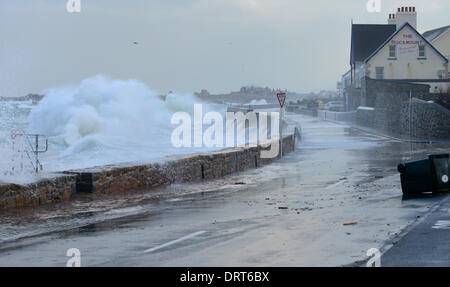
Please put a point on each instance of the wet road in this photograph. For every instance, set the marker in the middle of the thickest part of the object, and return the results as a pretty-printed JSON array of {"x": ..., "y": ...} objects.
[
  {"x": 426, "y": 244},
  {"x": 326, "y": 204}
]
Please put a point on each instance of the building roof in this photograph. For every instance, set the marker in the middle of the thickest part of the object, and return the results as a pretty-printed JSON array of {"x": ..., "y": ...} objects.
[
  {"x": 432, "y": 35},
  {"x": 366, "y": 38},
  {"x": 398, "y": 31}
]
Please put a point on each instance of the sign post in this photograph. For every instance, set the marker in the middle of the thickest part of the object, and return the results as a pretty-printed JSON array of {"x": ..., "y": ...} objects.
[{"x": 281, "y": 99}]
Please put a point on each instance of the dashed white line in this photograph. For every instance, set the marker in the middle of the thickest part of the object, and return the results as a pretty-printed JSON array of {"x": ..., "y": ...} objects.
[
  {"x": 174, "y": 241},
  {"x": 442, "y": 224}
]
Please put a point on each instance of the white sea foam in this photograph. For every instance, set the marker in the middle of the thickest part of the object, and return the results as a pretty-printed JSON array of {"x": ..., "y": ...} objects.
[{"x": 101, "y": 121}]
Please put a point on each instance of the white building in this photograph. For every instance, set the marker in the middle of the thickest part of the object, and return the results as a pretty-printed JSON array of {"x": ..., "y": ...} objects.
[
  {"x": 405, "y": 55},
  {"x": 397, "y": 51}
]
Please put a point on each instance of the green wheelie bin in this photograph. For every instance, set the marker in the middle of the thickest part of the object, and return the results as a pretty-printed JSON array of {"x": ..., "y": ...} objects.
[
  {"x": 440, "y": 172},
  {"x": 425, "y": 175}
]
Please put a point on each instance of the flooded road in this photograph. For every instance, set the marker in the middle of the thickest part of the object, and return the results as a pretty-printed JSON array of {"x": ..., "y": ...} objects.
[{"x": 326, "y": 204}]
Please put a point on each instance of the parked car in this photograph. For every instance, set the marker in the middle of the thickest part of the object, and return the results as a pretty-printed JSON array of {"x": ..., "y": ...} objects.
[{"x": 335, "y": 106}]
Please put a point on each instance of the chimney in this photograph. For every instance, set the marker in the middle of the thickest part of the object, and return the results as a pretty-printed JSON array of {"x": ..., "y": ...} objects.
[
  {"x": 406, "y": 15},
  {"x": 392, "y": 20}
]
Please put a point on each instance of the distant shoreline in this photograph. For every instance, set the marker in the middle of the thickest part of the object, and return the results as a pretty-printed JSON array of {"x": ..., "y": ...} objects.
[{"x": 30, "y": 97}]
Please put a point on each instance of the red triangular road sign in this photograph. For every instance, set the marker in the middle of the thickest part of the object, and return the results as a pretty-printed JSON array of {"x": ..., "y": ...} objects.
[{"x": 281, "y": 98}]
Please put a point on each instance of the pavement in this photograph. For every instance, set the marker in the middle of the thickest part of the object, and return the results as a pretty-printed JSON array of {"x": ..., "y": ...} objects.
[
  {"x": 427, "y": 244},
  {"x": 327, "y": 204}
]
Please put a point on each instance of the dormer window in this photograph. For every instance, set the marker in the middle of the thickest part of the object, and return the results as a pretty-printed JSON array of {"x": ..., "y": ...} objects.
[
  {"x": 421, "y": 51},
  {"x": 392, "y": 51}
]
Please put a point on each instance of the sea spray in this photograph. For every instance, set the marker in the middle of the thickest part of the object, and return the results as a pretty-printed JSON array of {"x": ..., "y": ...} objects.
[
  {"x": 15, "y": 166},
  {"x": 105, "y": 121},
  {"x": 102, "y": 121}
]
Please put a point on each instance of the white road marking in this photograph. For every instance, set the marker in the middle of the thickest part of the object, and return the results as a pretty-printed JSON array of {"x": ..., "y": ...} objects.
[
  {"x": 174, "y": 241},
  {"x": 336, "y": 184},
  {"x": 442, "y": 224}
]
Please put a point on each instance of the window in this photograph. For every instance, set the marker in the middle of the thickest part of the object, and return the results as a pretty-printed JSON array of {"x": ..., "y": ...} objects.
[
  {"x": 379, "y": 73},
  {"x": 392, "y": 51},
  {"x": 421, "y": 51}
]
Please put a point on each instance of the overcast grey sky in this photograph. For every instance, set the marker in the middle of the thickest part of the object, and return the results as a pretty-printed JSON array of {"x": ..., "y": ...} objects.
[{"x": 188, "y": 45}]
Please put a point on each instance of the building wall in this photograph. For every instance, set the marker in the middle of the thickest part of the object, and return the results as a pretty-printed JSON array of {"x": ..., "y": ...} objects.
[
  {"x": 442, "y": 43},
  {"x": 365, "y": 116},
  {"x": 407, "y": 64},
  {"x": 373, "y": 89},
  {"x": 353, "y": 98}
]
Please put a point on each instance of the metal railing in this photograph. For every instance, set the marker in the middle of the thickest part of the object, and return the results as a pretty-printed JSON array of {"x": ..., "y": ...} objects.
[{"x": 31, "y": 145}]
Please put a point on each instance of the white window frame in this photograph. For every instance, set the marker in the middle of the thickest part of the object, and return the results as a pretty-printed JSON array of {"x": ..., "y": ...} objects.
[
  {"x": 424, "y": 51},
  {"x": 392, "y": 50},
  {"x": 379, "y": 76}
]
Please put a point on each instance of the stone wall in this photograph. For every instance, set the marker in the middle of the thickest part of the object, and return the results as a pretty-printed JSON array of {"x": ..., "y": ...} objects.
[
  {"x": 429, "y": 121},
  {"x": 57, "y": 189},
  {"x": 133, "y": 177},
  {"x": 384, "y": 106},
  {"x": 180, "y": 169},
  {"x": 372, "y": 89},
  {"x": 365, "y": 116},
  {"x": 387, "y": 113}
]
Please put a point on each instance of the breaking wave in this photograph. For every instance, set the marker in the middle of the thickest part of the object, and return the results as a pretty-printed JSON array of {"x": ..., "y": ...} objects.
[{"x": 104, "y": 121}]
